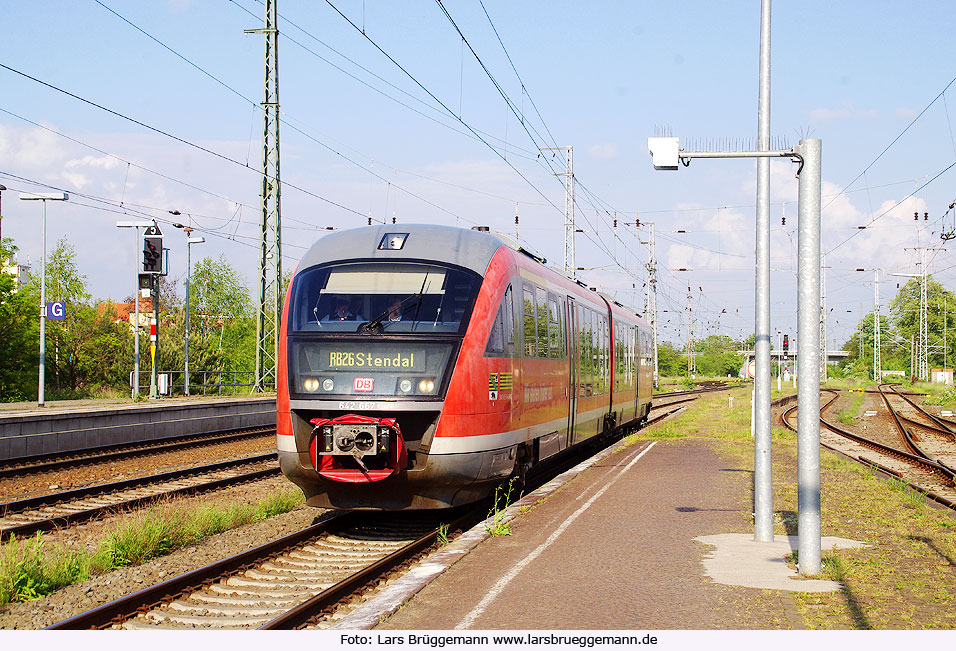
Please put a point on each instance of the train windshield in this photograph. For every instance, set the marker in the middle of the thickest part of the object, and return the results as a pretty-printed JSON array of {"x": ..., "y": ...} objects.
[{"x": 397, "y": 298}]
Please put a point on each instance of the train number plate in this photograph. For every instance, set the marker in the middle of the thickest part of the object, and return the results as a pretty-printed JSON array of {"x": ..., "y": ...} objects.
[{"x": 363, "y": 384}]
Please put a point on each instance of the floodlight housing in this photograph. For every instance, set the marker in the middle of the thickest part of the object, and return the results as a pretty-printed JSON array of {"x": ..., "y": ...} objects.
[{"x": 665, "y": 152}]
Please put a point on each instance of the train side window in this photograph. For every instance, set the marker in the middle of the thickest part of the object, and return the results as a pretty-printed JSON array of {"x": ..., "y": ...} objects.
[
  {"x": 501, "y": 339},
  {"x": 602, "y": 351},
  {"x": 541, "y": 302},
  {"x": 555, "y": 329},
  {"x": 584, "y": 351},
  {"x": 530, "y": 327}
]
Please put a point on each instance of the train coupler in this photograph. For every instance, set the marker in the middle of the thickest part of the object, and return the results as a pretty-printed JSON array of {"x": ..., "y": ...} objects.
[{"x": 357, "y": 449}]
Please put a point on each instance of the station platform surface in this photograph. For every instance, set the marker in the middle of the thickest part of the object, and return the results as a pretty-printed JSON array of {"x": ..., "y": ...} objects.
[
  {"x": 111, "y": 404},
  {"x": 657, "y": 535}
]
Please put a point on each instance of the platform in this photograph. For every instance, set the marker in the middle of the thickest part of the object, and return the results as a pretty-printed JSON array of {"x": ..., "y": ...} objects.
[
  {"x": 66, "y": 426},
  {"x": 620, "y": 543}
]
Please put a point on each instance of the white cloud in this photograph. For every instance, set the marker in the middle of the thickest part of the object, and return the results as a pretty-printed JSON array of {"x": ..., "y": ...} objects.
[
  {"x": 846, "y": 112},
  {"x": 603, "y": 152},
  {"x": 99, "y": 162}
]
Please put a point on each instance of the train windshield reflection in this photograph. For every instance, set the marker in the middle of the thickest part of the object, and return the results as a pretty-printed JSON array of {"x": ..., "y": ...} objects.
[{"x": 402, "y": 297}]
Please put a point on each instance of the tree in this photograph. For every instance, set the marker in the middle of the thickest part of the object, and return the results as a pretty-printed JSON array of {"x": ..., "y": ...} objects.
[
  {"x": 222, "y": 324},
  {"x": 717, "y": 356},
  {"x": 19, "y": 334},
  {"x": 905, "y": 313},
  {"x": 64, "y": 338},
  {"x": 669, "y": 361}
]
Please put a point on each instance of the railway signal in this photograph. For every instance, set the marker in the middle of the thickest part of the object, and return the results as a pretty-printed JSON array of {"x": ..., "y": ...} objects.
[{"x": 153, "y": 255}]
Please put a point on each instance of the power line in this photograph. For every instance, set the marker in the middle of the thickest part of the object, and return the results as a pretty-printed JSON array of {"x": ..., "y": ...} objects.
[
  {"x": 442, "y": 104},
  {"x": 895, "y": 140},
  {"x": 173, "y": 137}
]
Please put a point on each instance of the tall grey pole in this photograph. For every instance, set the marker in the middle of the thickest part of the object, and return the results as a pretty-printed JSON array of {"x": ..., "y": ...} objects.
[
  {"x": 136, "y": 295},
  {"x": 189, "y": 267},
  {"x": 808, "y": 387},
  {"x": 42, "y": 381},
  {"x": 763, "y": 481}
]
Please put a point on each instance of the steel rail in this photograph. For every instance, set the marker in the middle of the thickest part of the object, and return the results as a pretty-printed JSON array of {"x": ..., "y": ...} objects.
[
  {"x": 21, "y": 506},
  {"x": 726, "y": 387},
  {"x": 940, "y": 423},
  {"x": 907, "y": 438},
  {"x": 869, "y": 443},
  {"x": 119, "y": 610},
  {"x": 312, "y": 608}
]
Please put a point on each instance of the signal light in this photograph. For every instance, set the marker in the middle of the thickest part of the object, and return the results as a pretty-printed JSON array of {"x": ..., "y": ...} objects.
[
  {"x": 153, "y": 255},
  {"x": 786, "y": 343}
]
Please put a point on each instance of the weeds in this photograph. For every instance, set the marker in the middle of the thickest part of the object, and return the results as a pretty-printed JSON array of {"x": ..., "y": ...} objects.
[
  {"x": 27, "y": 572},
  {"x": 498, "y": 527},
  {"x": 833, "y": 567},
  {"x": 29, "y": 569},
  {"x": 912, "y": 499},
  {"x": 443, "y": 534}
]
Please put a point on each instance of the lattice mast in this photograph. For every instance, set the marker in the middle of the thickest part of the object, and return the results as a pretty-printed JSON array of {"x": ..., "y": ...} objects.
[
  {"x": 270, "y": 223},
  {"x": 922, "y": 371},
  {"x": 652, "y": 294},
  {"x": 570, "y": 267},
  {"x": 877, "y": 362}
]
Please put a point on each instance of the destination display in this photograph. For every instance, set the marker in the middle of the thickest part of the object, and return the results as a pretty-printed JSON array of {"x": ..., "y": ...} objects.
[
  {"x": 349, "y": 360},
  {"x": 379, "y": 368}
]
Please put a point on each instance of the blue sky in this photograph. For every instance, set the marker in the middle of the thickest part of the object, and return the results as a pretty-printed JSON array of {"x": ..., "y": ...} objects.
[{"x": 603, "y": 76}]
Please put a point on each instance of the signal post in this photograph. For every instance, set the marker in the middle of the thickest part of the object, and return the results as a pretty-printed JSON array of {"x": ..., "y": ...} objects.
[{"x": 149, "y": 279}]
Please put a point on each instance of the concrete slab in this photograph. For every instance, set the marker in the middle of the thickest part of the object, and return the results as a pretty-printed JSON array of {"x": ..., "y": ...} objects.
[{"x": 737, "y": 559}]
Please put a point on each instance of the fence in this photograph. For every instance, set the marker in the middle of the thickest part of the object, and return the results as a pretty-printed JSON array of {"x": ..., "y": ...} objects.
[{"x": 201, "y": 382}]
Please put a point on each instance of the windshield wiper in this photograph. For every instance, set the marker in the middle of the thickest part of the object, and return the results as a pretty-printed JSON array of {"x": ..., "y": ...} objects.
[{"x": 377, "y": 325}]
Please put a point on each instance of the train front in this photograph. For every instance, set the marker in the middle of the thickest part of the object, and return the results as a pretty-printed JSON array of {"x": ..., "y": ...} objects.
[{"x": 371, "y": 332}]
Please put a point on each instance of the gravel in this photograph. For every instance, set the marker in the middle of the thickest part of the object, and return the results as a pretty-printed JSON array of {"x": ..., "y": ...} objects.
[
  {"x": 80, "y": 597},
  {"x": 14, "y": 488}
]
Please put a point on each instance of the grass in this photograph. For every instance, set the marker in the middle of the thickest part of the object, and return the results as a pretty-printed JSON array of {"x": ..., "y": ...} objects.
[
  {"x": 443, "y": 534},
  {"x": 497, "y": 525},
  {"x": 941, "y": 396},
  {"x": 904, "y": 578},
  {"x": 849, "y": 414},
  {"x": 31, "y": 568}
]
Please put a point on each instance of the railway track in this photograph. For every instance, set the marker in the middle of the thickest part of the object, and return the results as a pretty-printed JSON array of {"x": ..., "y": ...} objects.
[
  {"x": 57, "y": 461},
  {"x": 911, "y": 466},
  {"x": 292, "y": 582},
  {"x": 927, "y": 435},
  {"x": 704, "y": 389},
  {"x": 24, "y": 517}
]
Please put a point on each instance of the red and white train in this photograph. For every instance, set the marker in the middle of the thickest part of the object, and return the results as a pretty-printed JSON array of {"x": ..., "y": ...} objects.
[{"x": 420, "y": 366}]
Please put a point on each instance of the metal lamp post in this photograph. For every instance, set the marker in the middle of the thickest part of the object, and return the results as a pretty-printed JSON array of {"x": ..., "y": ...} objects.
[
  {"x": 44, "y": 197},
  {"x": 137, "y": 225},
  {"x": 189, "y": 242},
  {"x": 2, "y": 188}
]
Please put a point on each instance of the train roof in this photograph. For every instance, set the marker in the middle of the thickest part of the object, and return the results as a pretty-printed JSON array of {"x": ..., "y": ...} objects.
[{"x": 471, "y": 249}]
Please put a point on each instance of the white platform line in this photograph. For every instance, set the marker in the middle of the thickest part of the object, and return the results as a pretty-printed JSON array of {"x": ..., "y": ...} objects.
[{"x": 503, "y": 582}]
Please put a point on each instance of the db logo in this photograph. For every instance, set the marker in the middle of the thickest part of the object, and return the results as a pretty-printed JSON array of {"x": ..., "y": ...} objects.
[
  {"x": 362, "y": 384},
  {"x": 56, "y": 311}
]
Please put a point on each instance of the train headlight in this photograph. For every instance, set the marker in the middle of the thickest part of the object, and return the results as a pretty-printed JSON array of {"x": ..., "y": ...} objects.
[
  {"x": 327, "y": 384},
  {"x": 310, "y": 384},
  {"x": 426, "y": 386},
  {"x": 405, "y": 386}
]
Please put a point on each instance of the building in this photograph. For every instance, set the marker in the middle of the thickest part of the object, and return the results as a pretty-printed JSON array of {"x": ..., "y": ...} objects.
[
  {"x": 126, "y": 312},
  {"x": 19, "y": 271}
]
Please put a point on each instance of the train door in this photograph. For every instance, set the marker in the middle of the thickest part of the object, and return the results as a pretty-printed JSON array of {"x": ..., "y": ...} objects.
[{"x": 574, "y": 353}]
